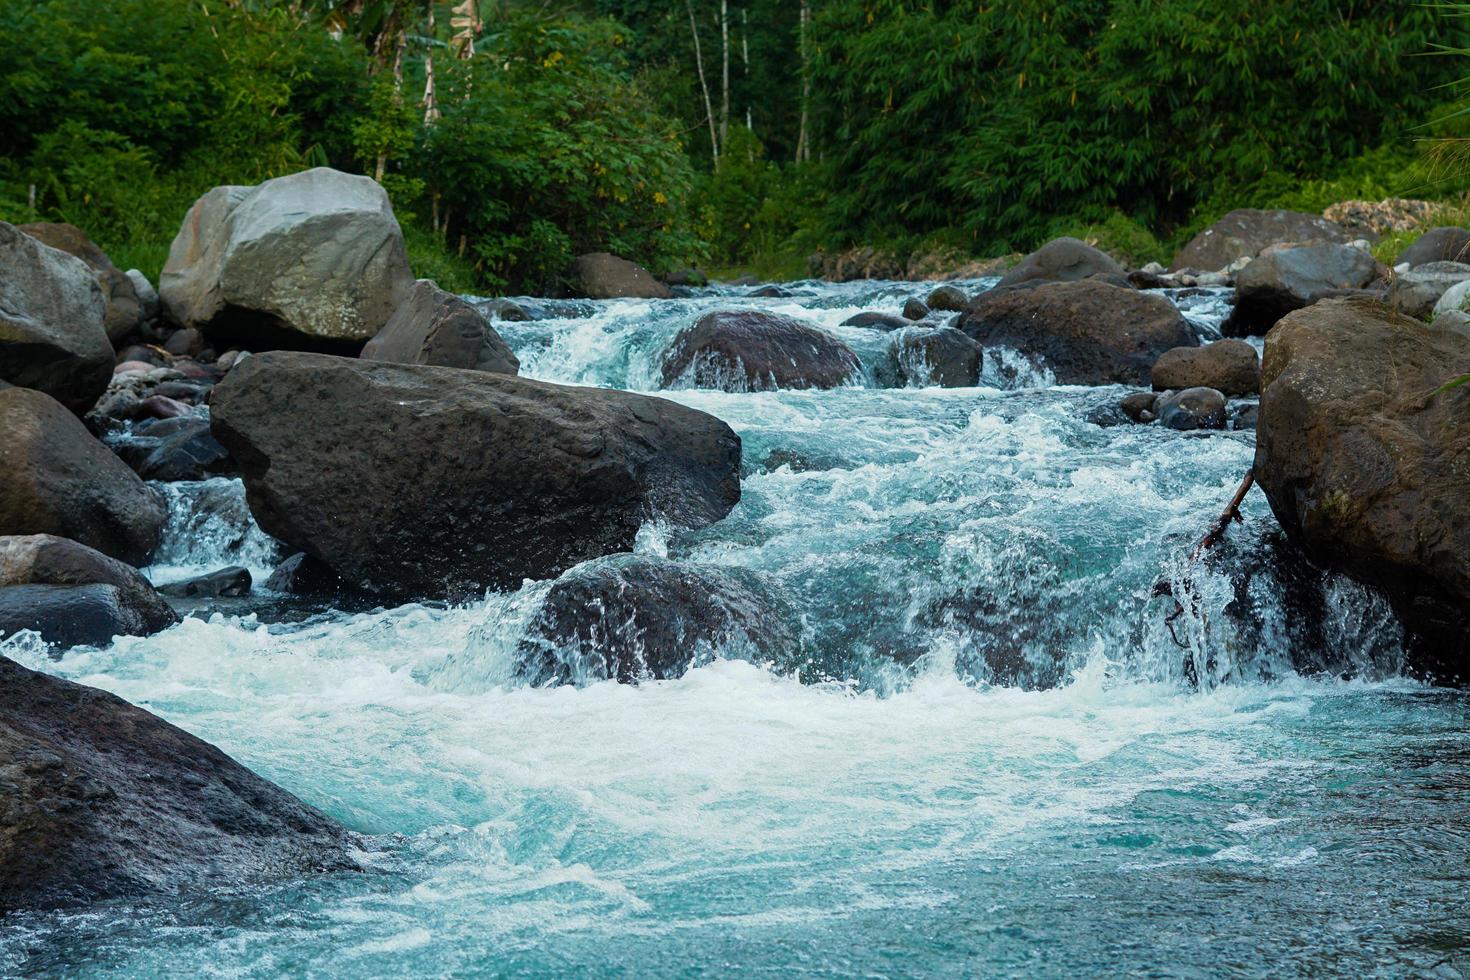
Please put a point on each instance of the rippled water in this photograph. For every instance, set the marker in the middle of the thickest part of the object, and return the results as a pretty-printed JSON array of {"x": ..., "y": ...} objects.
[{"x": 992, "y": 758}]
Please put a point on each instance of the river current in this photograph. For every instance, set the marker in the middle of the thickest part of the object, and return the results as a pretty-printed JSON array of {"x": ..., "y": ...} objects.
[{"x": 996, "y": 754}]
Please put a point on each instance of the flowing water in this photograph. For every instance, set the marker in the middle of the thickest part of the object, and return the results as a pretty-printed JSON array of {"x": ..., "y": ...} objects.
[{"x": 994, "y": 755}]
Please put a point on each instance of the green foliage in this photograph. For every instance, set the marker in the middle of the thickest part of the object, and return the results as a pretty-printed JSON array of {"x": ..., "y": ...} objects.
[
  {"x": 1122, "y": 237},
  {"x": 429, "y": 259}
]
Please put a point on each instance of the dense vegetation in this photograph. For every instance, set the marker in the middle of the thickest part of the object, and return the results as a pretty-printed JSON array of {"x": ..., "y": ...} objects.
[{"x": 558, "y": 129}]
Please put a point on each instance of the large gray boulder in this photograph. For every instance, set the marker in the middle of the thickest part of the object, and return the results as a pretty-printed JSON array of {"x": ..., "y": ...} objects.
[
  {"x": 52, "y": 333},
  {"x": 1247, "y": 232},
  {"x": 313, "y": 259},
  {"x": 124, "y": 309},
  {"x": 1229, "y": 366},
  {"x": 432, "y": 326},
  {"x": 1438, "y": 245},
  {"x": 102, "y": 800},
  {"x": 600, "y": 275},
  {"x": 1061, "y": 260},
  {"x": 1290, "y": 278},
  {"x": 1363, "y": 460},
  {"x": 751, "y": 350},
  {"x": 1418, "y": 291},
  {"x": 1086, "y": 332},
  {"x": 429, "y": 481},
  {"x": 59, "y": 480}
]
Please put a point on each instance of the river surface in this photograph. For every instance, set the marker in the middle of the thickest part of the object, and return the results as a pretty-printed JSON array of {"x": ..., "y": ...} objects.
[{"x": 995, "y": 756}]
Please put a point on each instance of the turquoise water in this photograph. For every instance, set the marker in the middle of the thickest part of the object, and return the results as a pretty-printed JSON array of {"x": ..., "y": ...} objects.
[{"x": 991, "y": 757}]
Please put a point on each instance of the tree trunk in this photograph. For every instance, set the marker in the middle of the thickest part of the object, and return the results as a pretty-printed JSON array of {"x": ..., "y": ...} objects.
[
  {"x": 745, "y": 60},
  {"x": 725, "y": 80},
  {"x": 803, "y": 139},
  {"x": 709, "y": 109},
  {"x": 431, "y": 101}
]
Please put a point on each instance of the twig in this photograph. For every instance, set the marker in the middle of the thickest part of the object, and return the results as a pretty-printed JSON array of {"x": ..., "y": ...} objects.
[{"x": 1215, "y": 535}]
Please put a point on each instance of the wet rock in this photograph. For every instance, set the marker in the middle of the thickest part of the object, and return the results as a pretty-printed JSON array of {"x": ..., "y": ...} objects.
[
  {"x": 142, "y": 354},
  {"x": 311, "y": 259},
  {"x": 1230, "y": 366},
  {"x": 603, "y": 276},
  {"x": 1417, "y": 292},
  {"x": 948, "y": 298},
  {"x": 1150, "y": 279},
  {"x": 1367, "y": 475},
  {"x": 59, "y": 480},
  {"x": 1139, "y": 406},
  {"x": 1086, "y": 332},
  {"x": 67, "y": 616},
  {"x": 639, "y": 617},
  {"x": 505, "y": 310},
  {"x": 428, "y": 481},
  {"x": 913, "y": 309},
  {"x": 171, "y": 450},
  {"x": 123, "y": 311},
  {"x": 771, "y": 291},
  {"x": 877, "y": 321},
  {"x": 1438, "y": 245},
  {"x": 301, "y": 574},
  {"x": 751, "y": 350},
  {"x": 942, "y": 356},
  {"x": 52, "y": 333},
  {"x": 1243, "y": 416},
  {"x": 1061, "y": 260},
  {"x": 1247, "y": 232},
  {"x": 159, "y": 407},
  {"x": 1291, "y": 278},
  {"x": 232, "y": 581},
  {"x": 1192, "y": 408},
  {"x": 103, "y": 800},
  {"x": 432, "y": 326}
]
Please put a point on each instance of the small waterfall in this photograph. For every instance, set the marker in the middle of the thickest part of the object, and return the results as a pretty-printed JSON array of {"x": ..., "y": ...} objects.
[{"x": 209, "y": 526}]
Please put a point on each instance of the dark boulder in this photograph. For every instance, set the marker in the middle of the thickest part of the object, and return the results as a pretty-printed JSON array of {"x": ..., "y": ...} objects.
[
  {"x": 877, "y": 321},
  {"x": 948, "y": 298},
  {"x": 1247, "y": 232},
  {"x": 1438, "y": 245},
  {"x": 638, "y": 617},
  {"x": 52, "y": 333},
  {"x": 170, "y": 450},
  {"x": 428, "y": 481},
  {"x": 434, "y": 327},
  {"x": 1229, "y": 366},
  {"x": 603, "y": 276},
  {"x": 942, "y": 356},
  {"x": 1417, "y": 292},
  {"x": 59, "y": 480},
  {"x": 771, "y": 291},
  {"x": 1085, "y": 332},
  {"x": 1290, "y": 278},
  {"x": 1363, "y": 460},
  {"x": 123, "y": 309},
  {"x": 301, "y": 574},
  {"x": 229, "y": 582},
  {"x": 1192, "y": 408},
  {"x": 750, "y": 350},
  {"x": 1140, "y": 406},
  {"x": 1061, "y": 260},
  {"x": 100, "y": 799},
  {"x": 913, "y": 309},
  {"x": 184, "y": 343}
]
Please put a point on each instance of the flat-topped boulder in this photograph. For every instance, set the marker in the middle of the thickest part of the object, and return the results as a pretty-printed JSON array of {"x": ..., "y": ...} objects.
[
  {"x": 421, "y": 481},
  {"x": 1229, "y": 366},
  {"x": 1290, "y": 278},
  {"x": 752, "y": 350},
  {"x": 432, "y": 326},
  {"x": 1247, "y": 232},
  {"x": 1060, "y": 260},
  {"x": 314, "y": 259}
]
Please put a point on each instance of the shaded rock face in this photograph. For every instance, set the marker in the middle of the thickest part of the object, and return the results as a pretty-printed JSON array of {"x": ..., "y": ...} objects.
[
  {"x": 1190, "y": 409},
  {"x": 123, "y": 308},
  {"x": 100, "y": 799},
  {"x": 878, "y": 321},
  {"x": 175, "y": 449},
  {"x": 1229, "y": 366},
  {"x": 1291, "y": 278},
  {"x": 1247, "y": 232},
  {"x": 71, "y": 594},
  {"x": 1438, "y": 245},
  {"x": 426, "y": 481},
  {"x": 435, "y": 327},
  {"x": 52, "y": 333},
  {"x": 232, "y": 581},
  {"x": 600, "y": 275},
  {"x": 1457, "y": 321},
  {"x": 312, "y": 259},
  {"x": 59, "y": 480},
  {"x": 1364, "y": 465},
  {"x": 1417, "y": 292},
  {"x": 1086, "y": 332},
  {"x": 750, "y": 350},
  {"x": 942, "y": 356},
  {"x": 913, "y": 309},
  {"x": 638, "y": 617},
  {"x": 1061, "y": 260}
]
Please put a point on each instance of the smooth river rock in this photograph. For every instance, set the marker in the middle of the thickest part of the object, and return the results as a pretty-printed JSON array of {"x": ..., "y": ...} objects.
[
  {"x": 1230, "y": 366},
  {"x": 123, "y": 308},
  {"x": 432, "y": 326},
  {"x": 1061, "y": 260},
  {"x": 429, "y": 481},
  {"x": 751, "y": 350},
  {"x": 600, "y": 275}
]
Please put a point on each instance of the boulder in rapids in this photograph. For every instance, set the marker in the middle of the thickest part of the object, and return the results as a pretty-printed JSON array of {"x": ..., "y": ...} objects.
[
  {"x": 313, "y": 259},
  {"x": 942, "y": 356},
  {"x": 52, "y": 330},
  {"x": 170, "y": 450},
  {"x": 640, "y": 617},
  {"x": 1190, "y": 409},
  {"x": 1228, "y": 366},
  {"x": 949, "y": 298},
  {"x": 123, "y": 309},
  {"x": 1247, "y": 232},
  {"x": 878, "y": 321},
  {"x": 59, "y": 480},
  {"x": 1061, "y": 260},
  {"x": 1438, "y": 245},
  {"x": 431, "y": 326},
  {"x": 1363, "y": 460},
  {"x": 1085, "y": 332},
  {"x": 913, "y": 309},
  {"x": 600, "y": 275},
  {"x": 233, "y": 581},
  {"x": 1290, "y": 278},
  {"x": 100, "y": 799},
  {"x": 430, "y": 481},
  {"x": 751, "y": 350},
  {"x": 1418, "y": 291}
]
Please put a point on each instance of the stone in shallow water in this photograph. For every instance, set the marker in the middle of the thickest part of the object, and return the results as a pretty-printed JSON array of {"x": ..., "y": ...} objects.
[{"x": 751, "y": 350}]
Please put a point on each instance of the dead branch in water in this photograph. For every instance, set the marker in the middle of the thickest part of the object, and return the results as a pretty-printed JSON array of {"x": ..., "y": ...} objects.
[{"x": 1215, "y": 535}]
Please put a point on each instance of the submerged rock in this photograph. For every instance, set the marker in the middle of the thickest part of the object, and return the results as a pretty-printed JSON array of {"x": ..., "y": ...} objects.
[
  {"x": 428, "y": 481},
  {"x": 1247, "y": 232},
  {"x": 942, "y": 356},
  {"x": 100, "y": 799},
  {"x": 1291, "y": 278},
  {"x": 434, "y": 327},
  {"x": 1061, "y": 260},
  {"x": 232, "y": 581},
  {"x": 751, "y": 350},
  {"x": 878, "y": 321},
  {"x": 59, "y": 480},
  {"x": 1086, "y": 332},
  {"x": 638, "y": 617},
  {"x": 1365, "y": 471},
  {"x": 52, "y": 333},
  {"x": 1230, "y": 366},
  {"x": 600, "y": 275}
]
